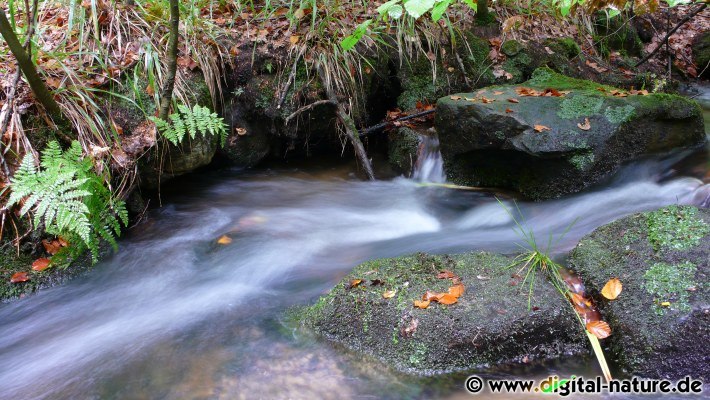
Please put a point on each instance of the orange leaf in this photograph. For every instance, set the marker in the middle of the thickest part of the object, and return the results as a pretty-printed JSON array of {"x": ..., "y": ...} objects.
[
  {"x": 354, "y": 283},
  {"x": 447, "y": 299},
  {"x": 41, "y": 264},
  {"x": 421, "y": 303},
  {"x": 600, "y": 329},
  {"x": 429, "y": 296},
  {"x": 497, "y": 93},
  {"x": 51, "y": 247},
  {"x": 516, "y": 101},
  {"x": 585, "y": 126},
  {"x": 579, "y": 301},
  {"x": 446, "y": 274},
  {"x": 19, "y": 277},
  {"x": 540, "y": 128},
  {"x": 388, "y": 294},
  {"x": 508, "y": 110},
  {"x": 612, "y": 289},
  {"x": 224, "y": 239},
  {"x": 294, "y": 39},
  {"x": 457, "y": 290},
  {"x": 486, "y": 100}
]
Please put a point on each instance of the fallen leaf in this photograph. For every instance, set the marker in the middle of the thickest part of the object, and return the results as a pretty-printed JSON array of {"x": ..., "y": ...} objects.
[
  {"x": 429, "y": 296},
  {"x": 447, "y": 299},
  {"x": 666, "y": 304},
  {"x": 149, "y": 90},
  {"x": 455, "y": 97},
  {"x": 585, "y": 126},
  {"x": 508, "y": 110},
  {"x": 612, "y": 289},
  {"x": 224, "y": 239},
  {"x": 486, "y": 100},
  {"x": 41, "y": 264},
  {"x": 498, "y": 93},
  {"x": 600, "y": 329},
  {"x": 482, "y": 277},
  {"x": 421, "y": 303},
  {"x": 540, "y": 128},
  {"x": 446, "y": 274},
  {"x": 19, "y": 277},
  {"x": 457, "y": 290},
  {"x": 354, "y": 283},
  {"x": 451, "y": 69},
  {"x": 388, "y": 294},
  {"x": 294, "y": 39},
  {"x": 516, "y": 101},
  {"x": 579, "y": 301},
  {"x": 411, "y": 327},
  {"x": 240, "y": 131},
  {"x": 51, "y": 247}
]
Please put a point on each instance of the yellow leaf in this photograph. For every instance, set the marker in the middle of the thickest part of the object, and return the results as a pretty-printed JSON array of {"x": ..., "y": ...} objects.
[
  {"x": 224, "y": 239},
  {"x": 354, "y": 283},
  {"x": 455, "y": 97},
  {"x": 666, "y": 304},
  {"x": 294, "y": 39},
  {"x": 457, "y": 290},
  {"x": 612, "y": 289},
  {"x": 421, "y": 303},
  {"x": 540, "y": 128},
  {"x": 388, "y": 294}
]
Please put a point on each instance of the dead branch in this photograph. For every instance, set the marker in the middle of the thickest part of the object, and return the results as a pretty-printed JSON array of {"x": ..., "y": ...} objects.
[
  {"x": 386, "y": 124},
  {"x": 289, "y": 82},
  {"x": 306, "y": 108}
]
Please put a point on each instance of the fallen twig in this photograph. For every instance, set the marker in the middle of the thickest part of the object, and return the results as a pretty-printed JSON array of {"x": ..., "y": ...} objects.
[
  {"x": 289, "y": 82},
  {"x": 306, "y": 108},
  {"x": 671, "y": 32},
  {"x": 386, "y": 124}
]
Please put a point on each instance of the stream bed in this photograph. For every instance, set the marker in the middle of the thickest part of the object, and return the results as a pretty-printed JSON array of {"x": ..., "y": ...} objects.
[{"x": 174, "y": 315}]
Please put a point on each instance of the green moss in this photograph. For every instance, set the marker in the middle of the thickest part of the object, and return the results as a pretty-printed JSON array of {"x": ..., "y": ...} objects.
[
  {"x": 569, "y": 46},
  {"x": 582, "y": 161},
  {"x": 676, "y": 228},
  {"x": 418, "y": 84},
  {"x": 621, "y": 114},
  {"x": 670, "y": 283},
  {"x": 580, "y": 105},
  {"x": 544, "y": 77},
  {"x": 511, "y": 47}
]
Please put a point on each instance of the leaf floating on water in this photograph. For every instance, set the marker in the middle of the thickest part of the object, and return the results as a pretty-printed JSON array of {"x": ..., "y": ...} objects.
[
  {"x": 354, "y": 283},
  {"x": 600, "y": 329},
  {"x": 585, "y": 126},
  {"x": 421, "y": 304},
  {"x": 41, "y": 264},
  {"x": 447, "y": 299},
  {"x": 612, "y": 289},
  {"x": 224, "y": 239},
  {"x": 457, "y": 290},
  {"x": 388, "y": 294},
  {"x": 540, "y": 128},
  {"x": 19, "y": 277}
]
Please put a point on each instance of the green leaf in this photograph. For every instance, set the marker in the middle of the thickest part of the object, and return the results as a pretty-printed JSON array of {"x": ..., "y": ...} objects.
[
  {"x": 471, "y": 4},
  {"x": 417, "y": 8},
  {"x": 385, "y": 8},
  {"x": 674, "y": 3},
  {"x": 439, "y": 9},
  {"x": 350, "y": 41}
]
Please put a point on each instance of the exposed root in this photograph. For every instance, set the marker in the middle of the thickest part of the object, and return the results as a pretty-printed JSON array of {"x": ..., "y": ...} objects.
[{"x": 306, "y": 108}]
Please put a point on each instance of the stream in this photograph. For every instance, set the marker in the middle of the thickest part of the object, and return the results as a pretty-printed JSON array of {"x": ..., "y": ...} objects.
[{"x": 174, "y": 315}]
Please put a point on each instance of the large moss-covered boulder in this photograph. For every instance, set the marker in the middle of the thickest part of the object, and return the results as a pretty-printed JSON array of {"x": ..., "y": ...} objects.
[
  {"x": 661, "y": 319},
  {"x": 543, "y": 146},
  {"x": 491, "y": 324},
  {"x": 701, "y": 52},
  {"x": 402, "y": 147}
]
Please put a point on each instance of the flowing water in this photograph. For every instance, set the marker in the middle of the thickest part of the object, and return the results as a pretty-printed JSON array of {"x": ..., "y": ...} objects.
[{"x": 173, "y": 315}]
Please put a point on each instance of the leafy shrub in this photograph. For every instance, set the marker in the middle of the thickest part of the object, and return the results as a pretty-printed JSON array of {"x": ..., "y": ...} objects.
[
  {"x": 69, "y": 198},
  {"x": 185, "y": 121}
]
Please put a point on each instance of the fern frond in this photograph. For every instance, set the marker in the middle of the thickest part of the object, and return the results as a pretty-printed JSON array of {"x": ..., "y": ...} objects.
[{"x": 186, "y": 121}]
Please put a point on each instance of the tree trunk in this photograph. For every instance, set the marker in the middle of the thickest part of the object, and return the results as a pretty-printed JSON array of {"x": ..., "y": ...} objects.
[
  {"x": 166, "y": 94},
  {"x": 483, "y": 16},
  {"x": 25, "y": 64}
]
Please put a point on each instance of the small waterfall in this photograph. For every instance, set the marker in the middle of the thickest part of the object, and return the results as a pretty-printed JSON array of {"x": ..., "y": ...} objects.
[{"x": 429, "y": 166}]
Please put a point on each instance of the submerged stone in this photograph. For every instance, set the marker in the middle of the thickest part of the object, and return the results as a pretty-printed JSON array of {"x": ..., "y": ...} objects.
[
  {"x": 542, "y": 146},
  {"x": 496, "y": 321},
  {"x": 661, "y": 320}
]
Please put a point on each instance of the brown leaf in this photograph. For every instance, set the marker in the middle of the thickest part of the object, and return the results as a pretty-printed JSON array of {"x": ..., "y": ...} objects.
[
  {"x": 41, "y": 264},
  {"x": 294, "y": 39},
  {"x": 354, "y": 283},
  {"x": 421, "y": 303},
  {"x": 51, "y": 247},
  {"x": 508, "y": 110},
  {"x": 447, "y": 299},
  {"x": 455, "y": 97},
  {"x": 600, "y": 329},
  {"x": 446, "y": 274},
  {"x": 240, "y": 131},
  {"x": 18, "y": 277},
  {"x": 376, "y": 282},
  {"x": 498, "y": 93},
  {"x": 486, "y": 100},
  {"x": 457, "y": 290},
  {"x": 579, "y": 301},
  {"x": 388, "y": 294},
  {"x": 612, "y": 289},
  {"x": 431, "y": 296},
  {"x": 224, "y": 239},
  {"x": 516, "y": 101},
  {"x": 585, "y": 126},
  {"x": 411, "y": 327},
  {"x": 540, "y": 128}
]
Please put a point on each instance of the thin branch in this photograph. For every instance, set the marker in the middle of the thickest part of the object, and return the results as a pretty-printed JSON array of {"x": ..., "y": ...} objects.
[
  {"x": 386, "y": 124},
  {"x": 289, "y": 82},
  {"x": 306, "y": 108},
  {"x": 671, "y": 32}
]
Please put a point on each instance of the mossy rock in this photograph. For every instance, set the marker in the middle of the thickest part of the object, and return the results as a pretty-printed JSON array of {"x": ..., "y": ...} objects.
[
  {"x": 617, "y": 34},
  {"x": 537, "y": 145},
  {"x": 661, "y": 320},
  {"x": 511, "y": 47},
  {"x": 492, "y": 323},
  {"x": 402, "y": 146},
  {"x": 701, "y": 52}
]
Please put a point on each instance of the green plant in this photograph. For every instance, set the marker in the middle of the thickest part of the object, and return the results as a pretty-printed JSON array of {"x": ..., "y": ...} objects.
[
  {"x": 69, "y": 198},
  {"x": 670, "y": 282},
  {"x": 191, "y": 121}
]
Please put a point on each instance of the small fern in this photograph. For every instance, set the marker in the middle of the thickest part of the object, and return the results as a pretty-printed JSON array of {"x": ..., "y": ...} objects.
[
  {"x": 70, "y": 199},
  {"x": 188, "y": 121}
]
